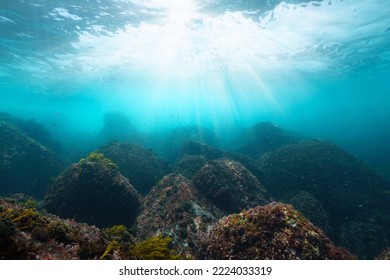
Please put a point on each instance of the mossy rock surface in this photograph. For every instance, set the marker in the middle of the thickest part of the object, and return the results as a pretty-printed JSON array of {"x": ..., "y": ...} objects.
[
  {"x": 26, "y": 166},
  {"x": 264, "y": 137},
  {"x": 27, "y": 233},
  {"x": 141, "y": 166},
  {"x": 230, "y": 186},
  {"x": 192, "y": 152},
  {"x": 94, "y": 193},
  {"x": 273, "y": 231},
  {"x": 174, "y": 208},
  {"x": 352, "y": 195}
]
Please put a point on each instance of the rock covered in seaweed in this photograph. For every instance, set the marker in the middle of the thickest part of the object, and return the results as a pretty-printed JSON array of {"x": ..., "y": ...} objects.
[
  {"x": 171, "y": 147},
  {"x": 188, "y": 165},
  {"x": 25, "y": 165},
  {"x": 384, "y": 255},
  {"x": 274, "y": 231},
  {"x": 192, "y": 154},
  {"x": 309, "y": 206},
  {"x": 93, "y": 191},
  {"x": 117, "y": 127},
  {"x": 26, "y": 233},
  {"x": 348, "y": 190},
  {"x": 264, "y": 137},
  {"x": 175, "y": 208},
  {"x": 141, "y": 166},
  {"x": 340, "y": 182},
  {"x": 230, "y": 186},
  {"x": 34, "y": 130}
]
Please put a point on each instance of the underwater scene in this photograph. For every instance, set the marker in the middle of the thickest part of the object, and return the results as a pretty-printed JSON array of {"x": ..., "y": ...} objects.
[{"x": 194, "y": 129}]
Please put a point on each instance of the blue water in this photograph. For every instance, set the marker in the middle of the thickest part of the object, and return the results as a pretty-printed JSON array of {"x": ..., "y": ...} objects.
[{"x": 318, "y": 68}]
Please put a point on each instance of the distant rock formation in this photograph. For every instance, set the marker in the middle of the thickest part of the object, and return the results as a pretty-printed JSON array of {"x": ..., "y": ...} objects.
[
  {"x": 264, "y": 137},
  {"x": 141, "y": 166},
  {"x": 117, "y": 127},
  {"x": 26, "y": 165},
  {"x": 171, "y": 146}
]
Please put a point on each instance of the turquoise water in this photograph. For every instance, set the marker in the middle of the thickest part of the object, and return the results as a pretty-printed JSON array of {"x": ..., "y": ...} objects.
[{"x": 319, "y": 68}]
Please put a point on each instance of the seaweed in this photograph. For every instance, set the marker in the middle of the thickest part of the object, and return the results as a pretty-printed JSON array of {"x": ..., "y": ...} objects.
[
  {"x": 154, "y": 248},
  {"x": 99, "y": 158}
]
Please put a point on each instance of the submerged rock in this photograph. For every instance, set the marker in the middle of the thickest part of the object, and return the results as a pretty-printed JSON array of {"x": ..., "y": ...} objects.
[
  {"x": 141, "y": 166},
  {"x": 174, "y": 140},
  {"x": 188, "y": 165},
  {"x": 175, "y": 208},
  {"x": 94, "y": 192},
  {"x": 33, "y": 129},
  {"x": 384, "y": 255},
  {"x": 264, "y": 137},
  {"x": 199, "y": 148},
  {"x": 364, "y": 238},
  {"x": 347, "y": 189},
  {"x": 27, "y": 233},
  {"x": 309, "y": 206},
  {"x": 117, "y": 127},
  {"x": 25, "y": 164},
  {"x": 274, "y": 231},
  {"x": 230, "y": 186},
  {"x": 192, "y": 153}
]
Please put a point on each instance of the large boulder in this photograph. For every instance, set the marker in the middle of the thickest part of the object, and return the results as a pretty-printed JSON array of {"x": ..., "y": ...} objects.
[
  {"x": 117, "y": 127},
  {"x": 230, "y": 186},
  {"x": 192, "y": 153},
  {"x": 26, "y": 165},
  {"x": 171, "y": 146},
  {"x": 274, "y": 231},
  {"x": 141, "y": 166},
  {"x": 188, "y": 165},
  {"x": 93, "y": 191},
  {"x": 27, "y": 233},
  {"x": 345, "y": 187},
  {"x": 34, "y": 130},
  {"x": 264, "y": 137},
  {"x": 175, "y": 208},
  {"x": 309, "y": 206}
]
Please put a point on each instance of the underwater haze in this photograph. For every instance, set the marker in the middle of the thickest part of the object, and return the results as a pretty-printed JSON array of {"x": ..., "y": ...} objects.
[
  {"x": 204, "y": 126},
  {"x": 318, "y": 68}
]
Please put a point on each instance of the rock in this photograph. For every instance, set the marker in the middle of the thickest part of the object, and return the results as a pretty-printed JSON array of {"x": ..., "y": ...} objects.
[
  {"x": 141, "y": 166},
  {"x": 346, "y": 188},
  {"x": 199, "y": 148},
  {"x": 117, "y": 127},
  {"x": 188, "y": 165},
  {"x": 25, "y": 164},
  {"x": 230, "y": 186},
  {"x": 364, "y": 238},
  {"x": 190, "y": 149},
  {"x": 94, "y": 192},
  {"x": 175, "y": 208},
  {"x": 26, "y": 233},
  {"x": 309, "y": 206},
  {"x": 274, "y": 231},
  {"x": 174, "y": 140},
  {"x": 384, "y": 255},
  {"x": 264, "y": 137},
  {"x": 342, "y": 184},
  {"x": 34, "y": 130}
]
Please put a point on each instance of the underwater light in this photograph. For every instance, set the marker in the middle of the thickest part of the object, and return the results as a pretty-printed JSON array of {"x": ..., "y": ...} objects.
[{"x": 180, "y": 11}]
